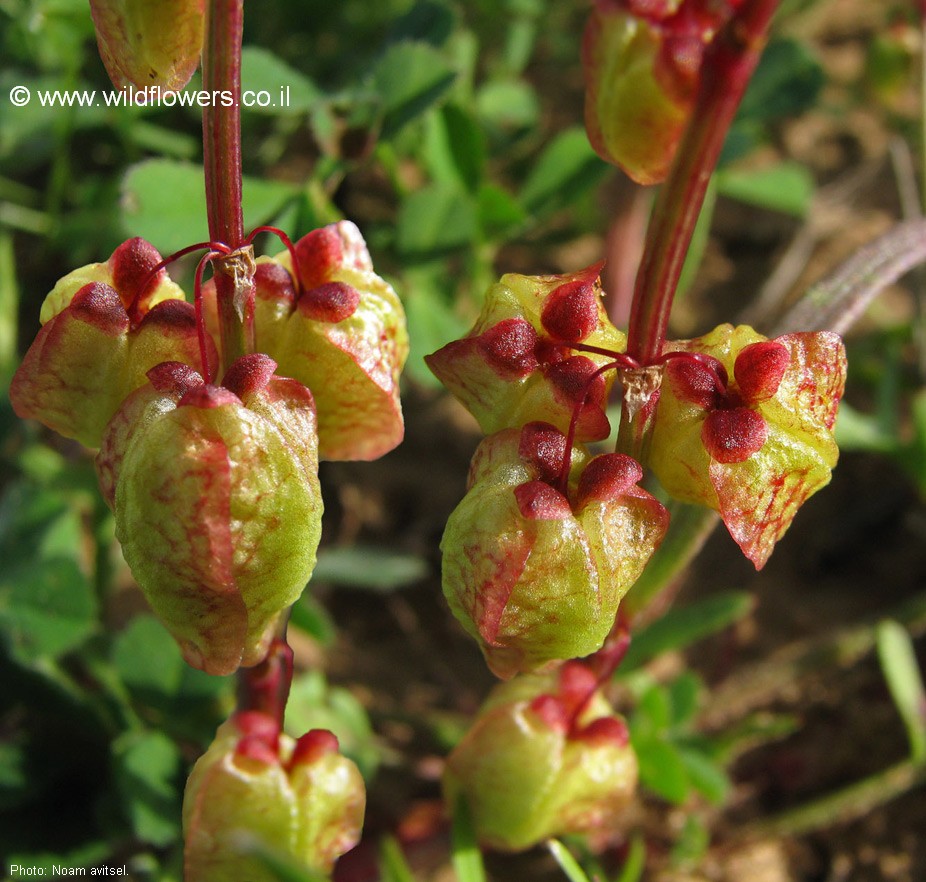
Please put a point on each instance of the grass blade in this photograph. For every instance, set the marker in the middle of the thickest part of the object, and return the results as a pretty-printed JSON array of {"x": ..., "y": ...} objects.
[
  {"x": 466, "y": 856},
  {"x": 392, "y": 863},
  {"x": 898, "y": 662},
  {"x": 568, "y": 864}
]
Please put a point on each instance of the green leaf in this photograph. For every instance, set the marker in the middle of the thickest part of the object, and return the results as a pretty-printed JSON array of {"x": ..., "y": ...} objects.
[
  {"x": 499, "y": 212},
  {"x": 163, "y": 141},
  {"x": 28, "y": 134},
  {"x": 635, "y": 863},
  {"x": 684, "y": 693},
  {"x": 432, "y": 320},
  {"x": 62, "y": 537},
  {"x": 147, "y": 766},
  {"x": 365, "y": 566},
  {"x": 705, "y": 775},
  {"x": 309, "y": 615},
  {"x": 786, "y": 82},
  {"x": 861, "y": 431},
  {"x": 522, "y": 35},
  {"x": 26, "y": 515},
  {"x": 163, "y": 201},
  {"x": 467, "y": 145},
  {"x": 508, "y": 105},
  {"x": 47, "y": 607},
  {"x": 661, "y": 769},
  {"x": 465, "y": 854},
  {"x": 148, "y": 662},
  {"x": 59, "y": 44},
  {"x": 147, "y": 659},
  {"x": 683, "y": 626},
  {"x": 262, "y": 71},
  {"x": 409, "y": 78},
  {"x": 14, "y": 775},
  {"x": 899, "y": 665},
  {"x": 567, "y": 863},
  {"x": 428, "y": 21},
  {"x": 692, "y": 842},
  {"x": 313, "y": 704},
  {"x": 566, "y": 167},
  {"x": 786, "y": 187},
  {"x": 436, "y": 219},
  {"x": 455, "y": 148},
  {"x": 653, "y": 713},
  {"x": 9, "y": 309},
  {"x": 754, "y": 730},
  {"x": 392, "y": 864}
]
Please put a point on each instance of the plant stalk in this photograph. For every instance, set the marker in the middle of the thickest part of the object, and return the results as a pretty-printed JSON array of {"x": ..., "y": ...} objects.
[
  {"x": 726, "y": 68},
  {"x": 845, "y": 805},
  {"x": 728, "y": 64},
  {"x": 233, "y": 273},
  {"x": 265, "y": 687}
]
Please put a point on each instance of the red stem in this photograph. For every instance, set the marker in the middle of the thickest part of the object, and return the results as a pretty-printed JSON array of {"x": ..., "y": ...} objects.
[
  {"x": 562, "y": 483},
  {"x": 288, "y": 243},
  {"x": 201, "y": 332},
  {"x": 265, "y": 687},
  {"x": 233, "y": 273},
  {"x": 728, "y": 63},
  {"x": 222, "y": 123}
]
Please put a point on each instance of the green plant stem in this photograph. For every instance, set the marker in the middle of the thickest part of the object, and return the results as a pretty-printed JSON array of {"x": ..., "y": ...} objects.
[
  {"x": 234, "y": 273},
  {"x": 765, "y": 682},
  {"x": 727, "y": 66},
  {"x": 690, "y": 526},
  {"x": 845, "y": 805}
]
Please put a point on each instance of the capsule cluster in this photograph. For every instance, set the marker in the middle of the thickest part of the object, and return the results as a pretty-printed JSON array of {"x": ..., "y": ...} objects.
[{"x": 213, "y": 480}]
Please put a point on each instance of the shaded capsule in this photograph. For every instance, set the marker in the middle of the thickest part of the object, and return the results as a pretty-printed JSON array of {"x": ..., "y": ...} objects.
[
  {"x": 217, "y": 504},
  {"x": 338, "y": 328},
  {"x": 756, "y": 446},
  {"x": 256, "y": 788},
  {"x": 546, "y": 756},
  {"x": 642, "y": 61},
  {"x": 518, "y": 363},
  {"x": 104, "y": 326},
  {"x": 149, "y": 43},
  {"x": 533, "y": 570}
]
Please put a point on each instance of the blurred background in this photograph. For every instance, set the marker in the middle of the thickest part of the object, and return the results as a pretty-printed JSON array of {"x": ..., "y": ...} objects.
[{"x": 452, "y": 134}]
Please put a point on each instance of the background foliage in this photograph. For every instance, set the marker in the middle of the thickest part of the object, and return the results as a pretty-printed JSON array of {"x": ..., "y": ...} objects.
[{"x": 452, "y": 134}]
